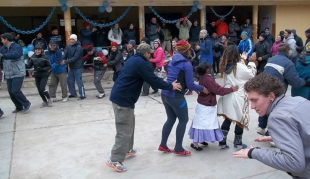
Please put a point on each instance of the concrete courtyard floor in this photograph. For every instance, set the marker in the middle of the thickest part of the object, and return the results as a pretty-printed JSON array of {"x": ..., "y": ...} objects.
[{"x": 74, "y": 139}]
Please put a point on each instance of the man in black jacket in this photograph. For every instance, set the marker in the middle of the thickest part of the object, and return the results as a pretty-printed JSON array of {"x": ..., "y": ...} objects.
[
  {"x": 100, "y": 36},
  {"x": 194, "y": 34},
  {"x": 299, "y": 43},
  {"x": 124, "y": 95},
  {"x": 74, "y": 58},
  {"x": 263, "y": 52}
]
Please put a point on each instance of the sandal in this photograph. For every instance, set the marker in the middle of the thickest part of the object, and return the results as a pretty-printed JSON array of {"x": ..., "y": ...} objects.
[
  {"x": 165, "y": 150},
  {"x": 183, "y": 153}
]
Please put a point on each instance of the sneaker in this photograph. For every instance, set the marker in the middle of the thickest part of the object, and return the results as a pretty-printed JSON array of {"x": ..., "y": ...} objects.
[
  {"x": 197, "y": 148},
  {"x": 154, "y": 92},
  {"x": 118, "y": 166},
  {"x": 65, "y": 99},
  {"x": 44, "y": 104},
  {"x": 26, "y": 109},
  {"x": 261, "y": 131},
  {"x": 242, "y": 146},
  {"x": 131, "y": 152},
  {"x": 272, "y": 144},
  {"x": 54, "y": 99},
  {"x": 17, "y": 110},
  {"x": 1, "y": 113},
  {"x": 72, "y": 96},
  {"x": 100, "y": 96},
  {"x": 157, "y": 94},
  {"x": 143, "y": 94},
  {"x": 82, "y": 97},
  {"x": 50, "y": 102}
]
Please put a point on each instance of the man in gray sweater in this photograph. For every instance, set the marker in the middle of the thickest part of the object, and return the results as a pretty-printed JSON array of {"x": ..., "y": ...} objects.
[{"x": 288, "y": 127}]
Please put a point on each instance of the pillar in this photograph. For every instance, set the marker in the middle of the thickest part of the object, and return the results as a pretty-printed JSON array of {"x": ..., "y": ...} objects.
[
  {"x": 141, "y": 22},
  {"x": 255, "y": 22},
  {"x": 203, "y": 18},
  {"x": 67, "y": 20}
]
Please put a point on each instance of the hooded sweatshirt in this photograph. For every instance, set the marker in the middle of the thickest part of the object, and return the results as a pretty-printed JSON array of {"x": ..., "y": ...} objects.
[
  {"x": 246, "y": 46},
  {"x": 181, "y": 69},
  {"x": 55, "y": 58},
  {"x": 159, "y": 57},
  {"x": 275, "y": 47},
  {"x": 291, "y": 41}
]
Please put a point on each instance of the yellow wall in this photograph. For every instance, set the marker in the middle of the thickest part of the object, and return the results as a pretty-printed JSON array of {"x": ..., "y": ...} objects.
[{"x": 293, "y": 17}]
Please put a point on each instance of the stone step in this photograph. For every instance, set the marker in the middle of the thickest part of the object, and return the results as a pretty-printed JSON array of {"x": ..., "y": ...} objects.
[{"x": 86, "y": 77}]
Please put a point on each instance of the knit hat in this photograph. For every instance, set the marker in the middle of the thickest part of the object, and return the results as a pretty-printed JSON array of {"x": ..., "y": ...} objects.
[
  {"x": 244, "y": 33},
  {"x": 114, "y": 44},
  {"x": 157, "y": 41},
  {"x": 52, "y": 42},
  {"x": 38, "y": 46},
  {"x": 143, "y": 48},
  {"x": 73, "y": 36},
  {"x": 146, "y": 40},
  {"x": 307, "y": 47},
  {"x": 263, "y": 35},
  {"x": 307, "y": 31},
  {"x": 204, "y": 31},
  {"x": 183, "y": 46},
  {"x": 132, "y": 42},
  {"x": 85, "y": 24}
]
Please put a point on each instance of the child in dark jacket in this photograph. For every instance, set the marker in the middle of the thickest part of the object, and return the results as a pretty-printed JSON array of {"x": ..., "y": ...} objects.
[{"x": 205, "y": 126}]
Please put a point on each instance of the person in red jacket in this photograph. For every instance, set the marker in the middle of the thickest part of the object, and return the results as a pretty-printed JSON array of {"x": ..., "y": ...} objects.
[
  {"x": 221, "y": 27},
  {"x": 98, "y": 60}
]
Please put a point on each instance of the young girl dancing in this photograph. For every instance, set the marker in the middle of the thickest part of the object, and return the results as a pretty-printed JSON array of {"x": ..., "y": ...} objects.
[{"x": 205, "y": 126}]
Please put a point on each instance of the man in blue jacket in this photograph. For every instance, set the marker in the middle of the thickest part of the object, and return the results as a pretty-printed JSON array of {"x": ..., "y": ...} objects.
[
  {"x": 124, "y": 95},
  {"x": 74, "y": 58},
  {"x": 283, "y": 68},
  {"x": 59, "y": 72},
  {"x": 14, "y": 69}
]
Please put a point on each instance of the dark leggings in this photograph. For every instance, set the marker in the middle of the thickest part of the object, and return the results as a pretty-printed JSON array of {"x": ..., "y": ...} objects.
[
  {"x": 226, "y": 127},
  {"x": 175, "y": 108},
  {"x": 41, "y": 84},
  {"x": 216, "y": 63}
]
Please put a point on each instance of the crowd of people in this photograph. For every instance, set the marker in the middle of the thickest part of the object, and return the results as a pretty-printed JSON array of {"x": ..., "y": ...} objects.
[{"x": 258, "y": 73}]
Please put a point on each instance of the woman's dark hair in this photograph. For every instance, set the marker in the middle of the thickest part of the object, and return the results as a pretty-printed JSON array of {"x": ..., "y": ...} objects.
[
  {"x": 202, "y": 68},
  {"x": 281, "y": 33},
  {"x": 264, "y": 84},
  {"x": 281, "y": 36},
  {"x": 129, "y": 24},
  {"x": 8, "y": 36},
  {"x": 231, "y": 57}
]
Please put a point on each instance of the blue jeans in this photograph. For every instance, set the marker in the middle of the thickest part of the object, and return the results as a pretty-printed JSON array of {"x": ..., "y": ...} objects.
[
  {"x": 75, "y": 75},
  {"x": 14, "y": 86}
]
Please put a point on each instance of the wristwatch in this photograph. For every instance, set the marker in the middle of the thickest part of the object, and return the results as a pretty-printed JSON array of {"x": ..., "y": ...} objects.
[{"x": 251, "y": 150}]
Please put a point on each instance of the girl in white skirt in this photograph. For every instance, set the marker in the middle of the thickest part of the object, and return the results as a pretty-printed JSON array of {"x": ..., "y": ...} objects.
[{"x": 205, "y": 126}]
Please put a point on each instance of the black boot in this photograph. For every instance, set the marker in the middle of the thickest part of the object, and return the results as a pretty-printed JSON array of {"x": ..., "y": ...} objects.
[
  {"x": 223, "y": 144},
  {"x": 238, "y": 142}
]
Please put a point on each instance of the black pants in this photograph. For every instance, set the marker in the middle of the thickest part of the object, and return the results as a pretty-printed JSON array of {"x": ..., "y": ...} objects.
[
  {"x": 175, "y": 108},
  {"x": 14, "y": 86},
  {"x": 146, "y": 88},
  {"x": 226, "y": 126},
  {"x": 216, "y": 62},
  {"x": 41, "y": 84},
  {"x": 115, "y": 76}
]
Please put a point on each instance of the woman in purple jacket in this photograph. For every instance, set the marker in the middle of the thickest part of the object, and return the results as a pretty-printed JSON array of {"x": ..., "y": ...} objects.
[{"x": 180, "y": 70}]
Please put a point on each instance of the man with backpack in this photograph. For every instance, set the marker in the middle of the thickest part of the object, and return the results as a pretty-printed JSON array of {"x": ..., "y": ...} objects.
[{"x": 99, "y": 60}]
